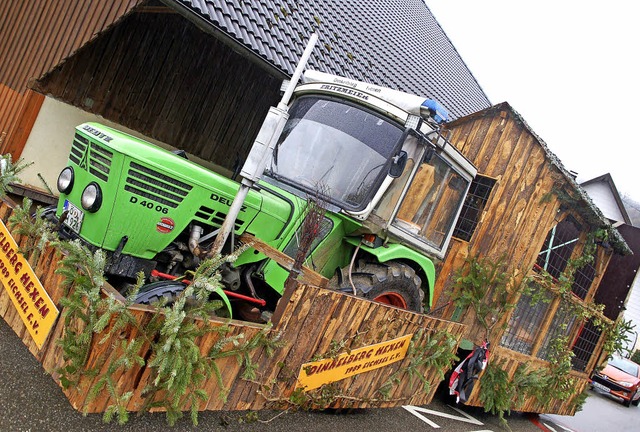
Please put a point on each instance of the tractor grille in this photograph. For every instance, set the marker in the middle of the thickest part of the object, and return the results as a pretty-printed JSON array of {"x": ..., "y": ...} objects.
[
  {"x": 215, "y": 218},
  {"x": 154, "y": 186},
  {"x": 91, "y": 156}
]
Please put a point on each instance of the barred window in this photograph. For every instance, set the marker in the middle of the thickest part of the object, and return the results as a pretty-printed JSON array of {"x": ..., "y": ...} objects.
[
  {"x": 584, "y": 345},
  {"x": 525, "y": 323},
  {"x": 473, "y": 206},
  {"x": 523, "y": 332},
  {"x": 562, "y": 325},
  {"x": 558, "y": 246},
  {"x": 583, "y": 279}
]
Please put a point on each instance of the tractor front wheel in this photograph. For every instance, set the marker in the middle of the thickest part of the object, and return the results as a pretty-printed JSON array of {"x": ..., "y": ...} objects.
[
  {"x": 154, "y": 292},
  {"x": 170, "y": 290}
]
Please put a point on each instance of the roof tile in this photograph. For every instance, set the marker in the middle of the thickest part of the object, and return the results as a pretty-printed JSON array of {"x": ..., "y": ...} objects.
[{"x": 394, "y": 43}]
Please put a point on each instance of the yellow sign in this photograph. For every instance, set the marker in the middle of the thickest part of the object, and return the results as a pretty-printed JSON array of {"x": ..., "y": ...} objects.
[
  {"x": 35, "y": 307},
  {"x": 315, "y": 374}
]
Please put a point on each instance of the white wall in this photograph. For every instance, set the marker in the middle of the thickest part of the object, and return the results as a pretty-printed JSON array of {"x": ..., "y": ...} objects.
[
  {"x": 50, "y": 140},
  {"x": 601, "y": 194},
  {"x": 49, "y": 143}
]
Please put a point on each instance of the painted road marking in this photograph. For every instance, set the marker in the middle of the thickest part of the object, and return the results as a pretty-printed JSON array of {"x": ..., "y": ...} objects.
[{"x": 418, "y": 412}]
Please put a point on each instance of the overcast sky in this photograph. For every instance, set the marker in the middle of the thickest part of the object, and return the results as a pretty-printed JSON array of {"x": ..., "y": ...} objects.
[{"x": 569, "y": 67}]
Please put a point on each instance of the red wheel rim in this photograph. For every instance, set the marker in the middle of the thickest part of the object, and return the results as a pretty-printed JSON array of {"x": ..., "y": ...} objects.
[{"x": 392, "y": 299}]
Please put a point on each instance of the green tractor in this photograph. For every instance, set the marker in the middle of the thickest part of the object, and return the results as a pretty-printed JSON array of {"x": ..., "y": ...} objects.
[{"x": 390, "y": 184}]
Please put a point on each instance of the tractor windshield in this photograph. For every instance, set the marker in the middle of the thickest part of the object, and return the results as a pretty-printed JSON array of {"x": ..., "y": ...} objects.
[{"x": 336, "y": 150}]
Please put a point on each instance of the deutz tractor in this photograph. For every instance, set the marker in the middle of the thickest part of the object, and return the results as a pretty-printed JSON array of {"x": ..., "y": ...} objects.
[{"x": 390, "y": 184}]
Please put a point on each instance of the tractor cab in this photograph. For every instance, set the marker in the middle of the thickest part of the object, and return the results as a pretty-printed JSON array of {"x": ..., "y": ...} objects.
[{"x": 375, "y": 154}]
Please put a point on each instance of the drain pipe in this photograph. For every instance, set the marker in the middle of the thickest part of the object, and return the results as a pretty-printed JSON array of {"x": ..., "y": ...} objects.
[{"x": 262, "y": 150}]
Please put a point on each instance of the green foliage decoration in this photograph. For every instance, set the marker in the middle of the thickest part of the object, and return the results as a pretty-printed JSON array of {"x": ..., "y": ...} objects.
[
  {"x": 500, "y": 393},
  {"x": 84, "y": 271},
  {"x": 167, "y": 342},
  {"x": 617, "y": 339},
  {"x": 496, "y": 391},
  {"x": 562, "y": 385},
  {"x": 615, "y": 334},
  {"x": 487, "y": 286},
  {"x": 428, "y": 350},
  {"x": 37, "y": 230},
  {"x": 528, "y": 381},
  {"x": 9, "y": 172},
  {"x": 170, "y": 337}
]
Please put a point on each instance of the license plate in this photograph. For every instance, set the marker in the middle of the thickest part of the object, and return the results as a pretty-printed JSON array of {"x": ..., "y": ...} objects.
[
  {"x": 601, "y": 387},
  {"x": 74, "y": 217}
]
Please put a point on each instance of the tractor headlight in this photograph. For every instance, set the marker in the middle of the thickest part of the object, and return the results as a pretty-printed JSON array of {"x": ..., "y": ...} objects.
[
  {"x": 65, "y": 180},
  {"x": 91, "y": 197}
]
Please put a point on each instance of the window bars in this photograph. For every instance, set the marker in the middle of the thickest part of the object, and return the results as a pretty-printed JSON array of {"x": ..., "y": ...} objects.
[
  {"x": 473, "y": 206},
  {"x": 584, "y": 345},
  {"x": 558, "y": 246},
  {"x": 525, "y": 322},
  {"x": 583, "y": 279}
]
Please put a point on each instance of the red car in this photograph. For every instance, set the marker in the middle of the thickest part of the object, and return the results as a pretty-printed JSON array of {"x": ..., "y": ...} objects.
[{"x": 621, "y": 378}]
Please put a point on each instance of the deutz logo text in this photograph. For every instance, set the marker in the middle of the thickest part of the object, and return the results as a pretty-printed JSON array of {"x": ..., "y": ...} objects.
[{"x": 225, "y": 201}]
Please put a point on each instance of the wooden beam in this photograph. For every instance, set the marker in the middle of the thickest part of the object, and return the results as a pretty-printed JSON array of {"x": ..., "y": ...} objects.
[
  {"x": 307, "y": 276},
  {"x": 156, "y": 10}
]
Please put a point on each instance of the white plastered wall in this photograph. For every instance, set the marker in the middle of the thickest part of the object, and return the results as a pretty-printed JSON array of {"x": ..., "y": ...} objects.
[{"x": 50, "y": 140}]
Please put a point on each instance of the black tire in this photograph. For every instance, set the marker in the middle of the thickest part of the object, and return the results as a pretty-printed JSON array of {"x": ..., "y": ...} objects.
[
  {"x": 170, "y": 290},
  {"x": 154, "y": 292},
  {"x": 634, "y": 402},
  {"x": 392, "y": 283}
]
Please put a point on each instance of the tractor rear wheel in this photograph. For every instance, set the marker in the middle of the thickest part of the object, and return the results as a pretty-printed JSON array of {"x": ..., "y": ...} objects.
[{"x": 392, "y": 283}]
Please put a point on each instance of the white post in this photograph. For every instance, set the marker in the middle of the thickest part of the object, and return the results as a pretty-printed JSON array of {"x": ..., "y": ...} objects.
[{"x": 261, "y": 150}]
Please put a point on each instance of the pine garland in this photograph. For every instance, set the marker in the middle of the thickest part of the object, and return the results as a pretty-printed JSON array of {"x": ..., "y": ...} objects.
[
  {"x": 488, "y": 287},
  {"x": 9, "y": 171},
  {"x": 436, "y": 352},
  {"x": 38, "y": 231},
  {"x": 171, "y": 335}
]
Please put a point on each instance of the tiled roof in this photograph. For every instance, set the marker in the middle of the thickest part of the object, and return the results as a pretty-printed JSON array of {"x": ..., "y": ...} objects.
[{"x": 394, "y": 43}]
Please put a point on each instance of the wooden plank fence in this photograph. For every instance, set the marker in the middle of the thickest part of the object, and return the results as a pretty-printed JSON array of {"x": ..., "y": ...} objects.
[{"x": 312, "y": 321}]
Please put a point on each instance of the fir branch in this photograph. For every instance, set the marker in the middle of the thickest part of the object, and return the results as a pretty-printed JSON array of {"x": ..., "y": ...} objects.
[
  {"x": 84, "y": 271},
  {"x": 428, "y": 352},
  {"x": 488, "y": 287},
  {"x": 38, "y": 231},
  {"x": 9, "y": 172}
]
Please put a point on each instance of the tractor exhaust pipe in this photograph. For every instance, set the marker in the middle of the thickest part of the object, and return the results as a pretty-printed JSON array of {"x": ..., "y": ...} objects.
[{"x": 262, "y": 150}]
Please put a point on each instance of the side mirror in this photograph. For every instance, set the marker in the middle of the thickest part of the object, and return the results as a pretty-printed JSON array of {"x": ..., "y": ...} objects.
[{"x": 398, "y": 163}]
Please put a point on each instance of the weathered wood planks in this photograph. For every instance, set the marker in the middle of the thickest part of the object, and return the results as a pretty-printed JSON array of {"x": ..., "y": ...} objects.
[
  {"x": 510, "y": 361},
  {"x": 312, "y": 323}
]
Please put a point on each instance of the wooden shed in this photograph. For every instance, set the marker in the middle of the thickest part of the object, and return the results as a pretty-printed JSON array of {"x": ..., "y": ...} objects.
[
  {"x": 526, "y": 209},
  {"x": 35, "y": 37}
]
